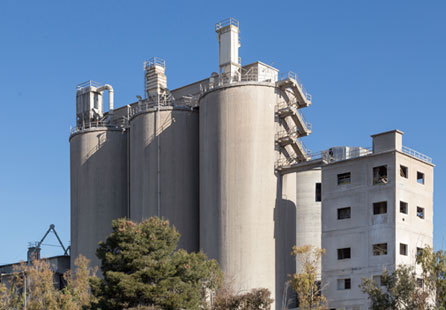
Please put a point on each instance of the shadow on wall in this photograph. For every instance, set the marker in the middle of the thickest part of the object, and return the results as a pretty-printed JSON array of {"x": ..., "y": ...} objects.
[
  {"x": 285, "y": 237},
  {"x": 165, "y": 167}
]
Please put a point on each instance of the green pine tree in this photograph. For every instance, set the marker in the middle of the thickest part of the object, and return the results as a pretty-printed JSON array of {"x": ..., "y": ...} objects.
[{"x": 142, "y": 269}]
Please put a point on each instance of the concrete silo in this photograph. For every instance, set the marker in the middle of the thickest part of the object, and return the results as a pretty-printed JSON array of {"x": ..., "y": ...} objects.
[
  {"x": 237, "y": 178},
  {"x": 98, "y": 169},
  {"x": 164, "y": 159}
]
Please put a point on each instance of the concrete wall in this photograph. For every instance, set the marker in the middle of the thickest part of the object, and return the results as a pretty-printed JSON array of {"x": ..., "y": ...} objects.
[
  {"x": 364, "y": 228},
  {"x": 176, "y": 135},
  {"x": 237, "y": 183},
  {"x": 98, "y": 169}
]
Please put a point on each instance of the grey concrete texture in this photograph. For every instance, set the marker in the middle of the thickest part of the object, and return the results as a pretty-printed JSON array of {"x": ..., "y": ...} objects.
[
  {"x": 364, "y": 228},
  {"x": 98, "y": 170},
  {"x": 174, "y": 132},
  {"x": 237, "y": 183}
]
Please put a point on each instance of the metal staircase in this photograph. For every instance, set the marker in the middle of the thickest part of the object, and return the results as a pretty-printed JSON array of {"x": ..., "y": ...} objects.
[
  {"x": 291, "y": 81},
  {"x": 293, "y": 151}
]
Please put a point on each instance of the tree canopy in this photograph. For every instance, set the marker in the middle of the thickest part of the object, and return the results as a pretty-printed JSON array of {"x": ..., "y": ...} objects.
[{"x": 142, "y": 269}]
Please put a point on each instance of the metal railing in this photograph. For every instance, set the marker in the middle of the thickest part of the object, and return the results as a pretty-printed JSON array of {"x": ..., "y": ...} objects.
[
  {"x": 294, "y": 76},
  {"x": 154, "y": 61},
  {"x": 88, "y": 84},
  {"x": 226, "y": 22},
  {"x": 416, "y": 154},
  {"x": 97, "y": 124}
]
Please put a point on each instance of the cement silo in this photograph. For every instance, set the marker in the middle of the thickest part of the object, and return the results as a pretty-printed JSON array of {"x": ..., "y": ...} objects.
[
  {"x": 237, "y": 191},
  {"x": 308, "y": 208},
  {"x": 164, "y": 160},
  {"x": 98, "y": 169}
]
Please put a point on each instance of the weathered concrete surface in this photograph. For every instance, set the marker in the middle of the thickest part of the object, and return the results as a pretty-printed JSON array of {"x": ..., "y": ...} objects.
[
  {"x": 98, "y": 169},
  {"x": 176, "y": 135},
  {"x": 364, "y": 228},
  {"x": 238, "y": 184}
]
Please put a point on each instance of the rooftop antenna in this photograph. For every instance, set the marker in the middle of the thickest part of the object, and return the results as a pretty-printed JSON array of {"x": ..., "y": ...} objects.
[{"x": 34, "y": 249}]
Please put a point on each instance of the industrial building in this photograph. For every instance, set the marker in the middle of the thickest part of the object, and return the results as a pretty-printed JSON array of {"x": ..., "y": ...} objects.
[
  {"x": 223, "y": 160},
  {"x": 377, "y": 213}
]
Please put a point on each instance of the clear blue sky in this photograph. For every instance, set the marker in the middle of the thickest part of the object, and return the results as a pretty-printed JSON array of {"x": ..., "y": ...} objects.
[{"x": 371, "y": 66}]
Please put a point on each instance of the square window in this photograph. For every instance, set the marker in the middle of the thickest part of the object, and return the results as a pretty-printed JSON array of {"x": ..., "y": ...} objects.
[
  {"x": 344, "y": 284},
  {"x": 344, "y": 253},
  {"x": 403, "y": 249},
  {"x": 380, "y": 175},
  {"x": 420, "y": 177},
  {"x": 420, "y": 282},
  {"x": 378, "y": 280},
  {"x": 344, "y": 178},
  {"x": 318, "y": 192},
  {"x": 344, "y": 213},
  {"x": 380, "y": 207},
  {"x": 380, "y": 249},
  {"x": 403, "y": 207},
  {"x": 420, "y": 212},
  {"x": 419, "y": 251},
  {"x": 404, "y": 172}
]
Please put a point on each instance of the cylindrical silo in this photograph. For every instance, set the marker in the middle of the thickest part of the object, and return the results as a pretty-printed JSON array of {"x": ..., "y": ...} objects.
[
  {"x": 98, "y": 164},
  {"x": 238, "y": 183},
  {"x": 308, "y": 208},
  {"x": 164, "y": 169}
]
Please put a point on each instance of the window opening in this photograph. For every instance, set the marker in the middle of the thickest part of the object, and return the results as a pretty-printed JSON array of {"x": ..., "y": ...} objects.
[
  {"x": 318, "y": 192},
  {"x": 378, "y": 280},
  {"x": 419, "y": 251},
  {"x": 404, "y": 172},
  {"x": 403, "y": 249},
  {"x": 380, "y": 207},
  {"x": 344, "y": 284},
  {"x": 380, "y": 249},
  {"x": 344, "y": 178},
  {"x": 420, "y": 212},
  {"x": 403, "y": 207},
  {"x": 380, "y": 175},
  {"x": 344, "y": 213},
  {"x": 344, "y": 253},
  {"x": 420, "y": 282},
  {"x": 420, "y": 177}
]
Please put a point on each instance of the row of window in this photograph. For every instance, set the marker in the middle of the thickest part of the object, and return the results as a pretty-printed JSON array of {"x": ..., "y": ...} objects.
[
  {"x": 379, "y": 249},
  {"x": 346, "y": 284},
  {"x": 380, "y": 176},
  {"x": 380, "y": 208}
]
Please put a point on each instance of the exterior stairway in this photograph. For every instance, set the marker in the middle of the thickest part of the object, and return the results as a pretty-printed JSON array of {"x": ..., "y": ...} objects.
[{"x": 295, "y": 97}]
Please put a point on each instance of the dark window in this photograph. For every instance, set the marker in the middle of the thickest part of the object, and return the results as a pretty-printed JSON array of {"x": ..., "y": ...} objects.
[
  {"x": 403, "y": 249},
  {"x": 344, "y": 213},
  {"x": 344, "y": 253},
  {"x": 377, "y": 280},
  {"x": 380, "y": 207},
  {"x": 380, "y": 175},
  {"x": 348, "y": 284},
  {"x": 420, "y": 212},
  {"x": 419, "y": 251},
  {"x": 344, "y": 178},
  {"x": 420, "y": 177},
  {"x": 420, "y": 283},
  {"x": 403, "y": 207},
  {"x": 404, "y": 172},
  {"x": 380, "y": 249},
  {"x": 318, "y": 192},
  {"x": 344, "y": 284}
]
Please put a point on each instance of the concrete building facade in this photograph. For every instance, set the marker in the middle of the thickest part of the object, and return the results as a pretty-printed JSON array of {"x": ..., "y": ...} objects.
[
  {"x": 222, "y": 159},
  {"x": 377, "y": 210}
]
